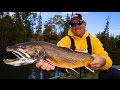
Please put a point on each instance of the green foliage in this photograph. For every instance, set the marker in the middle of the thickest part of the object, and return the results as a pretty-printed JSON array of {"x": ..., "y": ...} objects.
[
  {"x": 109, "y": 44},
  {"x": 52, "y": 29},
  {"x": 13, "y": 30},
  {"x": 6, "y": 33},
  {"x": 85, "y": 74}
]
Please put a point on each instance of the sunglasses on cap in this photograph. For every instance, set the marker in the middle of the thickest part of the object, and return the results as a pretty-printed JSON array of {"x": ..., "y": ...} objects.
[{"x": 76, "y": 23}]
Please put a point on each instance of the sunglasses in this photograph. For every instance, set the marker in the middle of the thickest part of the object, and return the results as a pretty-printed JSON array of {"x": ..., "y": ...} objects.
[{"x": 76, "y": 23}]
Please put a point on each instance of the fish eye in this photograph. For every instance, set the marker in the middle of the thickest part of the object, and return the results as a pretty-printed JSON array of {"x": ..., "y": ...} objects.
[{"x": 23, "y": 47}]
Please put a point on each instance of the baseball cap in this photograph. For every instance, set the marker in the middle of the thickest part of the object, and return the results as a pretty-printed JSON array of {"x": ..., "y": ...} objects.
[
  {"x": 76, "y": 16},
  {"x": 76, "y": 19}
]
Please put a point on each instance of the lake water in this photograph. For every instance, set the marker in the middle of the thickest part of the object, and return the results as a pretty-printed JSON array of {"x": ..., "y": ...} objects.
[{"x": 43, "y": 74}]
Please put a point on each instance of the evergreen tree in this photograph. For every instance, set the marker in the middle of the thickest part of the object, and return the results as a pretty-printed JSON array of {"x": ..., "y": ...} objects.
[
  {"x": 47, "y": 33},
  {"x": 1, "y": 15},
  {"x": 72, "y": 14},
  {"x": 66, "y": 26},
  {"x": 19, "y": 31},
  {"x": 6, "y": 30},
  {"x": 106, "y": 30},
  {"x": 39, "y": 34},
  {"x": 26, "y": 20},
  {"x": 7, "y": 13},
  {"x": 39, "y": 22},
  {"x": 104, "y": 36},
  {"x": 109, "y": 43},
  {"x": 118, "y": 37}
]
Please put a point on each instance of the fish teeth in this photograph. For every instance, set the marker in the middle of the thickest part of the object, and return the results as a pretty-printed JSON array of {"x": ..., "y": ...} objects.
[{"x": 22, "y": 51}]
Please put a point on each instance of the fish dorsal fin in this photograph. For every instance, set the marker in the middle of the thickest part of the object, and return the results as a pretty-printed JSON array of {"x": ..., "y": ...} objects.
[
  {"x": 73, "y": 70},
  {"x": 89, "y": 69}
]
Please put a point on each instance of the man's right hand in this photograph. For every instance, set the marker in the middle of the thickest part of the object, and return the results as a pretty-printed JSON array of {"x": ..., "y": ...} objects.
[{"x": 44, "y": 65}]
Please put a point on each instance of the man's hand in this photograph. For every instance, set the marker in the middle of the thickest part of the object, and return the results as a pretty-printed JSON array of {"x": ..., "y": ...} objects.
[
  {"x": 45, "y": 65},
  {"x": 97, "y": 62}
]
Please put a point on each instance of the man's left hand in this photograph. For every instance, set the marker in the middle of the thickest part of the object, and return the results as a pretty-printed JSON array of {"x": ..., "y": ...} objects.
[{"x": 97, "y": 62}]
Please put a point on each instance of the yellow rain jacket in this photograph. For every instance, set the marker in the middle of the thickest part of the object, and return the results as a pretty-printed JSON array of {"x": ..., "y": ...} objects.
[{"x": 81, "y": 44}]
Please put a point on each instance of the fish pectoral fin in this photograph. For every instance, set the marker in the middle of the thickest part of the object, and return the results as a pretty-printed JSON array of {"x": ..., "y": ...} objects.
[
  {"x": 72, "y": 70},
  {"x": 89, "y": 69}
]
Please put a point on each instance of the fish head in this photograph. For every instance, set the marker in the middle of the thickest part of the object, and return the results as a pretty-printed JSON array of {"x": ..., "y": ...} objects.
[
  {"x": 27, "y": 49},
  {"x": 26, "y": 53}
]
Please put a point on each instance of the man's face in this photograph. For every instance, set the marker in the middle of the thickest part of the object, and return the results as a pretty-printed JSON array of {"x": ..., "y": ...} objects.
[{"x": 78, "y": 27}]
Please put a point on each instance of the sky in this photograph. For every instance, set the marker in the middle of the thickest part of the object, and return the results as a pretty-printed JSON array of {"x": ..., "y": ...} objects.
[{"x": 96, "y": 21}]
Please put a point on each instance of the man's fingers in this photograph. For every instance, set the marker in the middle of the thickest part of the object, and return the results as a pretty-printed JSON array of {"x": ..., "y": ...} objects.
[
  {"x": 49, "y": 67},
  {"x": 95, "y": 67},
  {"x": 44, "y": 66},
  {"x": 52, "y": 67},
  {"x": 39, "y": 64}
]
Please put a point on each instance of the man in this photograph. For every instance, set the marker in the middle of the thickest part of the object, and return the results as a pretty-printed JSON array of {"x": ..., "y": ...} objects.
[{"x": 79, "y": 34}]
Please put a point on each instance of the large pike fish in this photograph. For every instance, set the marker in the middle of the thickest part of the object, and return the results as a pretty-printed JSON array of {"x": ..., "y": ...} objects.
[{"x": 31, "y": 52}]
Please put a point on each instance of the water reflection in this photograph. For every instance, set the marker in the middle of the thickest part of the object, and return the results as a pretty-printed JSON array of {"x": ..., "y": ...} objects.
[{"x": 43, "y": 74}]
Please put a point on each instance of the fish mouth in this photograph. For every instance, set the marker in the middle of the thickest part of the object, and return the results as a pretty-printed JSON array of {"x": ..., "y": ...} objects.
[
  {"x": 22, "y": 58},
  {"x": 19, "y": 53}
]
